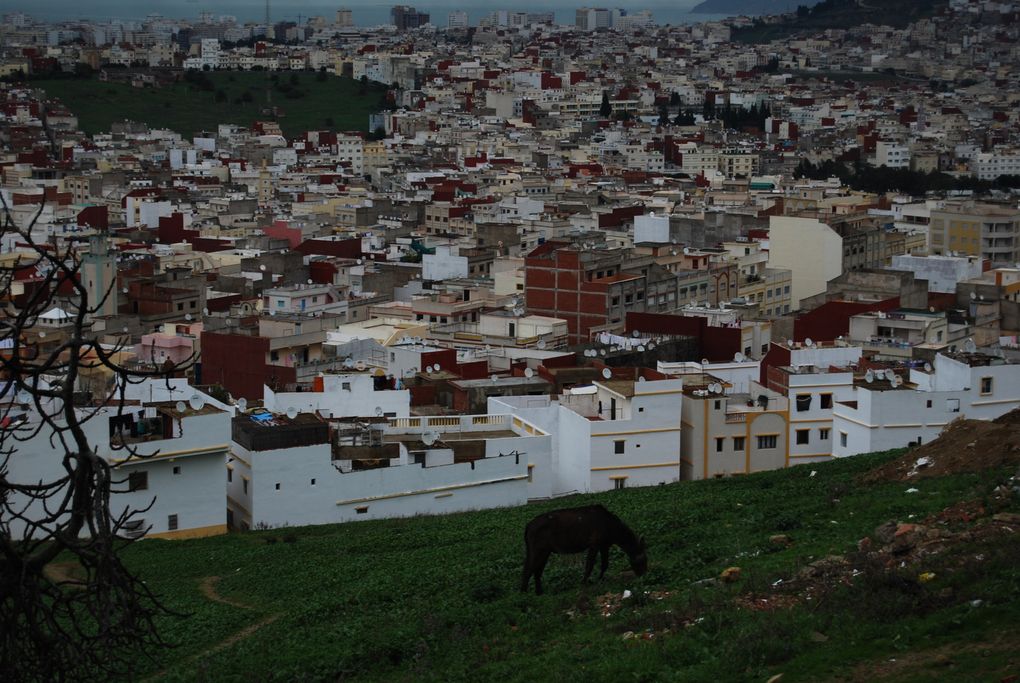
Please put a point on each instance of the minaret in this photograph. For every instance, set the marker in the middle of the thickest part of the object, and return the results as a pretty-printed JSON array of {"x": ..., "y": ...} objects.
[{"x": 99, "y": 275}]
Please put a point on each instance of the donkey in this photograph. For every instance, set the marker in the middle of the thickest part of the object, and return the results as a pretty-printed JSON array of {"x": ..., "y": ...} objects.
[{"x": 572, "y": 530}]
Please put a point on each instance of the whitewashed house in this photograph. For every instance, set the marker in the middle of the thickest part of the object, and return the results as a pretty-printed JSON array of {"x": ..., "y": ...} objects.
[
  {"x": 302, "y": 470},
  {"x": 180, "y": 444},
  {"x": 610, "y": 435},
  {"x": 890, "y": 411}
]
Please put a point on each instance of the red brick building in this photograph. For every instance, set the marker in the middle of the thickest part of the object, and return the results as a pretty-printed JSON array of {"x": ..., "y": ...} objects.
[{"x": 594, "y": 289}]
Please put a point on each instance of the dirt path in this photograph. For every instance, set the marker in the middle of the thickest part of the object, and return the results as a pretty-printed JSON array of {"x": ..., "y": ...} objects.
[
  {"x": 65, "y": 573},
  {"x": 207, "y": 587}
]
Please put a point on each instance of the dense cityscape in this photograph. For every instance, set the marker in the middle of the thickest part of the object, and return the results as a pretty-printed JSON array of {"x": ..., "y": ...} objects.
[{"x": 285, "y": 273}]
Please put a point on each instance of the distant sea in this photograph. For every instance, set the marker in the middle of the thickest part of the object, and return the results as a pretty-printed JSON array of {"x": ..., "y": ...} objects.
[{"x": 364, "y": 12}]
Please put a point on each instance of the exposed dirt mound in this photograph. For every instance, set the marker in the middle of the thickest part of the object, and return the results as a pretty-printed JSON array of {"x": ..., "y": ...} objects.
[{"x": 964, "y": 446}]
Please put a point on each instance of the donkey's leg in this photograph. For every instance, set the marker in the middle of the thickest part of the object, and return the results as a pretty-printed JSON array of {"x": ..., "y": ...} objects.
[
  {"x": 589, "y": 563},
  {"x": 604, "y": 550},
  {"x": 526, "y": 574},
  {"x": 539, "y": 567}
]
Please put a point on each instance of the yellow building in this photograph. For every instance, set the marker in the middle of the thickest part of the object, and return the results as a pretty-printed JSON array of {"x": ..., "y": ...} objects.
[{"x": 988, "y": 230}]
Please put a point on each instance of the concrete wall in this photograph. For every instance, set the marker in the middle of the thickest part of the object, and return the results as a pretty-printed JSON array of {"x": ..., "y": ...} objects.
[{"x": 809, "y": 249}]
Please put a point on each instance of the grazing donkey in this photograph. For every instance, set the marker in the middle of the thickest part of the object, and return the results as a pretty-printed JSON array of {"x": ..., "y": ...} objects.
[{"x": 571, "y": 530}]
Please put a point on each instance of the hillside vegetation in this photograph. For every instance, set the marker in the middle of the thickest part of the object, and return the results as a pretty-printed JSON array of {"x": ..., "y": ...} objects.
[
  {"x": 839, "y": 14},
  {"x": 306, "y": 101},
  {"x": 437, "y": 598}
]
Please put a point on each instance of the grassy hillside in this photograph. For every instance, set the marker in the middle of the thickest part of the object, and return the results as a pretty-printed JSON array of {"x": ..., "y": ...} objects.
[
  {"x": 840, "y": 14},
  {"x": 437, "y": 598},
  {"x": 228, "y": 97}
]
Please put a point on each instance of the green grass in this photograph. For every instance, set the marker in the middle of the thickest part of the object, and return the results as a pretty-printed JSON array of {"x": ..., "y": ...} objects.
[
  {"x": 334, "y": 103},
  {"x": 436, "y": 598}
]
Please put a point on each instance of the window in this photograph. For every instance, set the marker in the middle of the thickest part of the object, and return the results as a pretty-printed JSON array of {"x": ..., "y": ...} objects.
[
  {"x": 361, "y": 510},
  {"x": 952, "y": 405},
  {"x": 803, "y": 437},
  {"x": 986, "y": 385},
  {"x": 826, "y": 401},
  {"x": 345, "y": 386},
  {"x": 618, "y": 447},
  {"x": 171, "y": 523},
  {"x": 767, "y": 441},
  {"x": 177, "y": 469},
  {"x": 531, "y": 473},
  {"x": 718, "y": 405},
  {"x": 180, "y": 306},
  {"x": 803, "y": 402},
  {"x": 719, "y": 444},
  {"x": 619, "y": 483},
  {"x": 313, "y": 482},
  {"x": 230, "y": 474},
  {"x": 927, "y": 404},
  {"x": 823, "y": 434},
  {"x": 277, "y": 486},
  {"x": 245, "y": 483},
  {"x": 615, "y": 301},
  {"x": 738, "y": 443},
  {"x": 138, "y": 481},
  {"x": 842, "y": 439}
]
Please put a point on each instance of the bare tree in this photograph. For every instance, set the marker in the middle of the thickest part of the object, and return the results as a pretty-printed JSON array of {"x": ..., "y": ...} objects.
[{"x": 93, "y": 618}]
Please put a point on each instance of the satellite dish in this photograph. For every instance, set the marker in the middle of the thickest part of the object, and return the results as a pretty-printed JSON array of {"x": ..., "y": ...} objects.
[
  {"x": 378, "y": 411},
  {"x": 187, "y": 316},
  {"x": 869, "y": 376},
  {"x": 428, "y": 369},
  {"x": 242, "y": 404},
  {"x": 292, "y": 412},
  {"x": 897, "y": 380},
  {"x": 641, "y": 379},
  {"x": 607, "y": 373},
  {"x": 196, "y": 402},
  {"x": 437, "y": 367},
  {"x": 310, "y": 280},
  {"x": 641, "y": 348},
  {"x": 360, "y": 365},
  {"x": 262, "y": 267},
  {"x": 969, "y": 346},
  {"x": 494, "y": 378},
  {"x": 635, "y": 334},
  {"x": 809, "y": 342},
  {"x": 651, "y": 345},
  {"x": 927, "y": 367},
  {"x": 348, "y": 362},
  {"x": 541, "y": 344},
  {"x": 602, "y": 352},
  {"x": 973, "y": 296},
  {"x": 205, "y": 311},
  {"x": 715, "y": 388},
  {"x": 42, "y": 334},
  {"x": 181, "y": 406},
  {"x": 429, "y": 438},
  {"x": 738, "y": 357},
  {"x": 529, "y": 373},
  {"x": 704, "y": 361}
]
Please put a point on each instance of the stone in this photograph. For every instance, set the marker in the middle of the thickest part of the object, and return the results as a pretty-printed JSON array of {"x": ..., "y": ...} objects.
[
  {"x": 781, "y": 540},
  {"x": 775, "y": 679},
  {"x": 1006, "y": 517},
  {"x": 817, "y": 637},
  {"x": 886, "y": 532},
  {"x": 730, "y": 574}
]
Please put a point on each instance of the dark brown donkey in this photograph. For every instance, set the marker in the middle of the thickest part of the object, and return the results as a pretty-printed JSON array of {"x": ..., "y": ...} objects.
[{"x": 572, "y": 530}]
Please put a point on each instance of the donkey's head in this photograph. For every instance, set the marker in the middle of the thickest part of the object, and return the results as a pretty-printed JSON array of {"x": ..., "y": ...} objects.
[{"x": 638, "y": 557}]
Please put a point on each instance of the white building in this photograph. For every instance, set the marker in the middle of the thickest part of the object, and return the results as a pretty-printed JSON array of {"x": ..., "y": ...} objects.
[
  {"x": 457, "y": 19},
  {"x": 180, "y": 439},
  {"x": 610, "y": 435},
  {"x": 890, "y": 413},
  {"x": 942, "y": 272},
  {"x": 350, "y": 394},
  {"x": 286, "y": 471}
]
